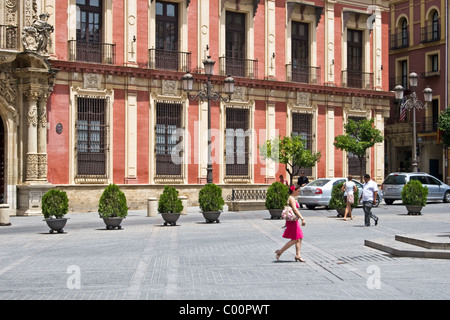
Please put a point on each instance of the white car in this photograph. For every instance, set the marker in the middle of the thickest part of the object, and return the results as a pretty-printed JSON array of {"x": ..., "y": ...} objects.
[{"x": 318, "y": 192}]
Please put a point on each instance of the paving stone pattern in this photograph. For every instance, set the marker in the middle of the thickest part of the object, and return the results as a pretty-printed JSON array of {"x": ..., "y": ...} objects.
[{"x": 233, "y": 259}]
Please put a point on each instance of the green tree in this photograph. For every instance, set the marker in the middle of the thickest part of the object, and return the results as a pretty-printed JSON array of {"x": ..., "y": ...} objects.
[
  {"x": 444, "y": 126},
  {"x": 359, "y": 136},
  {"x": 290, "y": 151}
]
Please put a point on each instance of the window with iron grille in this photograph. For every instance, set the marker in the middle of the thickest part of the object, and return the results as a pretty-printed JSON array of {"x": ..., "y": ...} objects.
[
  {"x": 168, "y": 120},
  {"x": 237, "y": 141},
  {"x": 353, "y": 161},
  {"x": 302, "y": 125},
  {"x": 91, "y": 131}
]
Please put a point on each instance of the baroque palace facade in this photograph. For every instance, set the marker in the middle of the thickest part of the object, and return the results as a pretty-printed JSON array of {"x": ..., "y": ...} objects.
[{"x": 91, "y": 92}]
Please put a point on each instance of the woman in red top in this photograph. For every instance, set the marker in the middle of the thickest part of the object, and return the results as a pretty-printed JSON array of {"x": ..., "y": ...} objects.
[{"x": 293, "y": 230}]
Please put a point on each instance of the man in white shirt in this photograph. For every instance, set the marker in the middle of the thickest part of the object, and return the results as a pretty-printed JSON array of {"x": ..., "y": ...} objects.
[{"x": 369, "y": 199}]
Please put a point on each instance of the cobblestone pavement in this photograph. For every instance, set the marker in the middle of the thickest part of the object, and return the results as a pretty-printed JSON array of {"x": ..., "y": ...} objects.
[{"x": 233, "y": 259}]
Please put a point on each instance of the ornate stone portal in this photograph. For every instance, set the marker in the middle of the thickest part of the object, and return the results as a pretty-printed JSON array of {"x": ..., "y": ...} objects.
[{"x": 26, "y": 82}]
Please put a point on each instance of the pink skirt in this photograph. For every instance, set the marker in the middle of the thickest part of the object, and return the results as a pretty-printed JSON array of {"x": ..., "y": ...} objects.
[{"x": 293, "y": 230}]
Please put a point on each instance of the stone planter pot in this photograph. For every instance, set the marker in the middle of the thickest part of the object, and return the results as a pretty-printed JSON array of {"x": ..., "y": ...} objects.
[
  {"x": 56, "y": 225},
  {"x": 113, "y": 222},
  {"x": 211, "y": 216},
  {"x": 341, "y": 212},
  {"x": 170, "y": 218},
  {"x": 414, "y": 210},
  {"x": 275, "y": 213}
]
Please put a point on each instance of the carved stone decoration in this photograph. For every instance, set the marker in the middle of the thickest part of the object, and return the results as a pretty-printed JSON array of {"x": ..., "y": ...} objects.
[
  {"x": 303, "y": 99},
  {"x": 8, "y": 89},
  {"x": 42, "y": 113},
  {"x": 36, "y": 38},
  {"x": 11, "y": 12},
  {"x": 358, "y": 103},
  {"x": 92, "y": 81},
  {"x": 239, "y": 94},
  {"x": 169, "y": 87},
  {"x": 42, "y": 166},
  {"x": 32, "y": 166}
]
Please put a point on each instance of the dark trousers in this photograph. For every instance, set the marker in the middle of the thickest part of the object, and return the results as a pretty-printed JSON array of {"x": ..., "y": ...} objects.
[{"x": 367, "y": 207}]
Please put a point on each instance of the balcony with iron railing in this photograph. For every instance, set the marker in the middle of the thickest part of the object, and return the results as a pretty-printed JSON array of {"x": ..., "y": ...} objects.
[
  {"x": 428, "y": 125},
  {"x": 9, "y": 37},
  {"x": 302, "y": 73},
  {"x": 399, "y": 40},
  {"x": 401, "y": 80},
  {"x": 357, "y": 79},
  {"x": 430, "y": 33},
  {"x": 161, "y": 59},
  {"x": 237, "y": 67},
  {"x": 96, "y": 52}
]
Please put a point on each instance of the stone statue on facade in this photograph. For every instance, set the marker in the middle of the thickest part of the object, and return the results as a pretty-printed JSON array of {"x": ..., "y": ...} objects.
[{"x": 36, "y": 38}]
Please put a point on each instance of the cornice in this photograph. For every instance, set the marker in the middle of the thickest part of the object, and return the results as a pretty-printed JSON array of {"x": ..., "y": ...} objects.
[{"x": 125, "y": 71}]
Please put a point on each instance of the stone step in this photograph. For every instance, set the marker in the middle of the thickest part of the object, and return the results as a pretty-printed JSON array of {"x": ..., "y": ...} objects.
[
  {"x": 428, "y": 241},
  {"x": 403, "y": 249}
]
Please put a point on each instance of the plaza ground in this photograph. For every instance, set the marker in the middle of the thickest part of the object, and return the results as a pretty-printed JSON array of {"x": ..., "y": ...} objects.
[{"x": 230, "y": 260}]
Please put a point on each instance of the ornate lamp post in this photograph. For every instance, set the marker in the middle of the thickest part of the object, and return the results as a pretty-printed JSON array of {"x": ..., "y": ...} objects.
[
  {"x": 207, "y": 94},
  {"x": 414, "y": 103}
]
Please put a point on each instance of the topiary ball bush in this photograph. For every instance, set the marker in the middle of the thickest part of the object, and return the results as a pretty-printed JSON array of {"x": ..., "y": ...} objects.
[
  {"x": 337, "y": 200},
  {"x": 169, "y": 202},
  {"x": 277, "y": 196},
  {"x": 414, "y": 194},
  {"x": 113, "y": 203},
  {"x": 55, "y": 204},
  {"x": 210, "y": 198}
]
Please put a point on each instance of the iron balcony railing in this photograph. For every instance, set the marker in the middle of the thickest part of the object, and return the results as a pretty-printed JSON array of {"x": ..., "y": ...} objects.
[
  {"x": 161, "y": 59},
  {"x": 430, "y": 33},
  {"x": 357, "y": 79},
  {"x": 399, "y": 40},
  {"x": 103, "y": 53},
  {"x": 237, "y": 67},
  {"x": 401, "y": 80},
  {"x": 303, "y": 73},
  {"x": 9, "y": 37},
  {"x": 428, "y": 125}
]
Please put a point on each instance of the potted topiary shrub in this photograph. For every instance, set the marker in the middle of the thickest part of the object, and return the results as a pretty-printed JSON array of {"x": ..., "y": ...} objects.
[
  {"x": 112, "y": 207},
  {"x": 211, "y": 202},
  {"x": 169, "y": 206},
  {"x": 55, "y": 205},
  {"x": 337, "y": 200},
  {"x": 276, "y": 199},
  {"x": 414, "y": 196}
]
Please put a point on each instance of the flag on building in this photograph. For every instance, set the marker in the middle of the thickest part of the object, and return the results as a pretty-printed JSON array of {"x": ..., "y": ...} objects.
[{"x": 402, "y": 110}]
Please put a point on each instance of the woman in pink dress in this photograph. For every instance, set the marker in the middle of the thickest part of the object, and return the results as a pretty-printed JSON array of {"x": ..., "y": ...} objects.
[{"x": 293, "y": 230}]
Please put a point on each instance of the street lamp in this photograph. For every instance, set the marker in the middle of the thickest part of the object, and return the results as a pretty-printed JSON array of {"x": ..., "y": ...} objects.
[
  {"x": 207, "y": 94},
  {"x": 414, "y": 103}
]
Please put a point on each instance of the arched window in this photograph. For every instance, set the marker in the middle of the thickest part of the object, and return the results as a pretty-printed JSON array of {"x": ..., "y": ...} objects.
[
  {"x": 404, "y": 33},
  {"x": 435, "y": 26}
]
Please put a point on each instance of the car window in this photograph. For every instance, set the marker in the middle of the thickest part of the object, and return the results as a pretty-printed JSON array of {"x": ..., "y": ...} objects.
[
  {"x": 434, "y": 181},
  {"x": 422, "y": 179},
  {"x": 318, "y": 183},
  {"x": 358, "y": 184},
  {"x": 395, "y": 179},
  {"x": 339, "y": 181}
]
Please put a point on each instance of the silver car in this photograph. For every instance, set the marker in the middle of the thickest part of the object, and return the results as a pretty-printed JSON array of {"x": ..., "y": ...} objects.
[
  {"x": 318, "y": 192},
  {"x": 393, "y": 185}
]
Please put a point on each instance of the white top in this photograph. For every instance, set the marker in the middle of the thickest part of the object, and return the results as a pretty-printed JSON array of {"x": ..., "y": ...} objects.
[
  {"x": 349, "y": 187},
  {"x": 368, "y": 190}
]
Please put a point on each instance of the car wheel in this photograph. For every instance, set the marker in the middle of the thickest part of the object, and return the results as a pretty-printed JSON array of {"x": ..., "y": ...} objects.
[
  {"x": 378, "y": 201},
  {"x": 388, "y": 201},
  {"x": 447, "y": 197}
]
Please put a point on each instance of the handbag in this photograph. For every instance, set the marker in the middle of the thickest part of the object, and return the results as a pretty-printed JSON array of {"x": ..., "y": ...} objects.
[{"x": 288, "y": 214}]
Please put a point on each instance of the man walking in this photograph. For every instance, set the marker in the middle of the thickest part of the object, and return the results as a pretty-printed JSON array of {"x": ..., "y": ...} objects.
[{"x": 369, "y": 199}]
